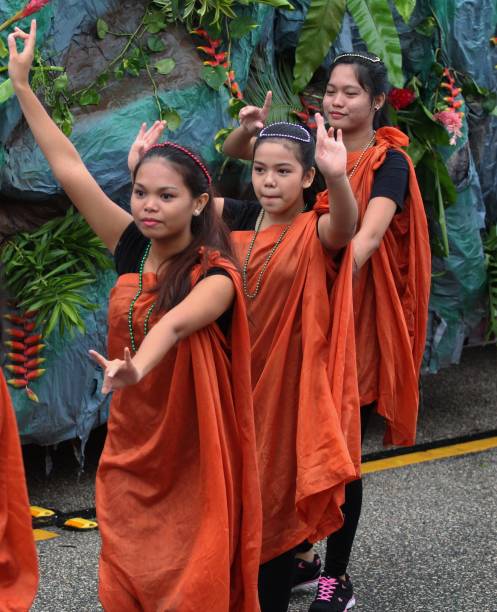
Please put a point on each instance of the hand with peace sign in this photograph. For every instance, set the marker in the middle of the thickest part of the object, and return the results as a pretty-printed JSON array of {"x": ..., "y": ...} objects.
[
  {"x": 118, "y": 373},
  {"x": 252, "y": 118},
  {"x": 143, "y": 141},
  {"x": 331, "y": 154}
]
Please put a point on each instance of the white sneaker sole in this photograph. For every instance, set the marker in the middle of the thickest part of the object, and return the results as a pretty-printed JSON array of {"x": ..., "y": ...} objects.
[{"x": 351, "y": 603}]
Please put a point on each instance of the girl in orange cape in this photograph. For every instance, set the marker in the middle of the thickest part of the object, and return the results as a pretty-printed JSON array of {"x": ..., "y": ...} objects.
[
  {"x": 18, "y": 560},
  {"x": 178, "y": 498},
  {"x": 392, "y": 281},
  {"x": 299, "y": 304}
]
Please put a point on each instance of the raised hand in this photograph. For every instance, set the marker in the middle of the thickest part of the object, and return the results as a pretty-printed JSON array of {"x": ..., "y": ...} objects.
[
  {"x": 20, "y": 62},
  {"x": 331, "y": 154},
  {"x": 118, "y": 373},
  {"x": 143, "y": 141},
  {"x": 253, "y": 118}
]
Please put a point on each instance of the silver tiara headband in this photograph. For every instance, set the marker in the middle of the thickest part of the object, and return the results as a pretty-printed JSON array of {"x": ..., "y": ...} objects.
[
  {"x": 306, "y": 137},
  {"x": 373, "y": 60}
]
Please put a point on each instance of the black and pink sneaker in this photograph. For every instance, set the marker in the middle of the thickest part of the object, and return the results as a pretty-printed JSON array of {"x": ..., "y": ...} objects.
[
  {"x": 306, "y": 574},
  {"x": 334, "y": 595}
]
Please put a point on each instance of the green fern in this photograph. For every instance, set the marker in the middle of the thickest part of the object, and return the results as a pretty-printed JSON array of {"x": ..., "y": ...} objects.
[{"x": 264, "y": 77}]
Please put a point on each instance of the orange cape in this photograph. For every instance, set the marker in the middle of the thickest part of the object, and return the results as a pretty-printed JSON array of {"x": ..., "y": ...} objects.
[
  {"x": 391, "y": 297},
  {"x": 178, "y": 497},
  {"x": 18, "y": 560},
  {"x": 299, "y": 391}
]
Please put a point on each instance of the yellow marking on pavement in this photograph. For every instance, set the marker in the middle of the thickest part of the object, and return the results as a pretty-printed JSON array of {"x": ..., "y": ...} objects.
[
  {"x": 444, "y": 452},
  {"x": 43, "y": 534}
]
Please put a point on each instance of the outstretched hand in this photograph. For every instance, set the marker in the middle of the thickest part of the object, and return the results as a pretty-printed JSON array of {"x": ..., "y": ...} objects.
[
  {"x": 20, "y": 62},
  {"x": 331, "y": 154},
  {"x": 253, "y": 118},
  {"x": 143, "y": 141},
  {"x": 118, "y": 373}
]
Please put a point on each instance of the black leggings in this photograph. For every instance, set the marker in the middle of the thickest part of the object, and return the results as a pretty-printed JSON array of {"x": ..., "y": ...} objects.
[
  {"x": 276, "y": 581},
  {"x": 339, "y": 543}
]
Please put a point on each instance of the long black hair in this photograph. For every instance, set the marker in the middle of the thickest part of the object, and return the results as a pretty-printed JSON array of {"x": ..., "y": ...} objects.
[
  {"x": 208, "y": 230},
  {"x": 372, "y": 76}
]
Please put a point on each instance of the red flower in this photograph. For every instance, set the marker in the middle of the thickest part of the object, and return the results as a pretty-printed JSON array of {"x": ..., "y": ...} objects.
[
  {"x": 33, "y": 7},
  {"x": 400, "y": 98}
]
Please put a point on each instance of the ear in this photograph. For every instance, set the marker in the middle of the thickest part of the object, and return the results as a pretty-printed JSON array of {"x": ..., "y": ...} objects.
[
  {"x": 379, "y": 101},
  {"x": 308, "y": 177},
  {"x": 200, "y": 203}
]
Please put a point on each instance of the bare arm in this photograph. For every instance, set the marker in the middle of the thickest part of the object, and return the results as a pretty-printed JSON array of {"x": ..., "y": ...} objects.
[
  {"x": 240, "y": 143},
  {"x": 378, "y": 216},
  {"x": 335, "y": 229},
  {"x": 105, "y": 217},
  {"x": 204, "y": 304}
]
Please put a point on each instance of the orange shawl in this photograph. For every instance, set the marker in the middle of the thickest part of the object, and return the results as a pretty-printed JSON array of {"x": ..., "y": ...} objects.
[
  {"x": 178, "y": 498},
  {"x": 391, "y": 299},
  {"x": 302, "y": 453},
  {"x": 18, "y": 560}
]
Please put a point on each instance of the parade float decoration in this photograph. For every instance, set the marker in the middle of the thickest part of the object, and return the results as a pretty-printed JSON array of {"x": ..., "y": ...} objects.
[{"x": 103, "y": 67}]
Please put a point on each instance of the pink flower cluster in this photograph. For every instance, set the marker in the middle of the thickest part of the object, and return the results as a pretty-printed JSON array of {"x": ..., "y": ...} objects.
[{"x": 452, "y": 121}]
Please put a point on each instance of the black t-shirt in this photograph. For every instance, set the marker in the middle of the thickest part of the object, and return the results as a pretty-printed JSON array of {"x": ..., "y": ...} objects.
[
  {"x": 391, "y": 181},
  {"x": 128, "y": 255}
]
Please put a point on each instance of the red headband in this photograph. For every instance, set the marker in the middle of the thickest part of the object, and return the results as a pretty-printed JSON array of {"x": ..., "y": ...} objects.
[{"x": 184, "y": 150}]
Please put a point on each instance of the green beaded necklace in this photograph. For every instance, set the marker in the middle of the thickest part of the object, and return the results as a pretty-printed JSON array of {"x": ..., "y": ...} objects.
[{"x": 134, "y": 300}]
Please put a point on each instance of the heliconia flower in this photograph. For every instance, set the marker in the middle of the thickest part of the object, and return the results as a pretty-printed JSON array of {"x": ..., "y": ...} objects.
[
  {"x": 33, "y": 7},
  {"x": 32, "y": 395},
  {"x": 452, "y": 121},
  {"x": 400, "y": 98}
]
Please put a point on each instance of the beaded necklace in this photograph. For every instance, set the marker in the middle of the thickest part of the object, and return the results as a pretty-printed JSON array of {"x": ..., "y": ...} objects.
[
  {"x": 134, "y": 300},
  {"x": 356, "y": 165},
  {"x": 269, "y": 256}
]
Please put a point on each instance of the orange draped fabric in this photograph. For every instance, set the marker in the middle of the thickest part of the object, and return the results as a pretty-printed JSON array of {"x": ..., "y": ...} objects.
[
  {"x": 302, "y": 453},
  {"x": 178, "y": 497},
  {"x": 18, "y": 559},
  {"x": 391, "y": 297}
]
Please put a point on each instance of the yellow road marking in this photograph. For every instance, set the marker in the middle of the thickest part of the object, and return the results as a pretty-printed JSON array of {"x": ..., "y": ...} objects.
[
  {"x": 476, "y": 446},
  {"x": 43, "y": 534}
]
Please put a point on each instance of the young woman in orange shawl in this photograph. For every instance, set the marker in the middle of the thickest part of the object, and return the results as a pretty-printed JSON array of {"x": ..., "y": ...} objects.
[
  {"x": 18, "y": 560},
  {"x": 299, "y": 303},
  {"x": 178, "y": 498}
]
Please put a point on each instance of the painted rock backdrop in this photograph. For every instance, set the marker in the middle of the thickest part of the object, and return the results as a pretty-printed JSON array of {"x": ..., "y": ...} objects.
[{"x": 104, "y": 66}]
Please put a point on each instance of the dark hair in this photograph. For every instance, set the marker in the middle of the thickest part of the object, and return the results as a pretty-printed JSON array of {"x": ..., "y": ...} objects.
[
  {"x": 372, "y": 76},
  {"x": 299, "y": 139},
  {"x": 208, "y": 229},
  {"x": 293, "y": 134}
]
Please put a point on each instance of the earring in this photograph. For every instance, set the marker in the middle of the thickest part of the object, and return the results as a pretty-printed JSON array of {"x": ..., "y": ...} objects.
[
  {"x": 196, "y": 212},
  {"x": 377, "y": 108}
]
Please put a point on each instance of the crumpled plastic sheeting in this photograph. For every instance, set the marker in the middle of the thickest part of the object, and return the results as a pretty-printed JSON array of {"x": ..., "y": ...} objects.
[
  {"x": 71, "y": 402},
  {"x": 62, "y": 20}
]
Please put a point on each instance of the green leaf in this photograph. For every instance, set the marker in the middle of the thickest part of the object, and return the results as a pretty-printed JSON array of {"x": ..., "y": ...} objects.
[
  {"x": 405, "y": 8},
  {"x": 376, "y": 26},
  {"x": 88, "y": 97},
  {"x": 155, "y": 22},
  {"x": 6, "y": 91},
  {"x": 102, "y": 28},
  {"x": 427, "y": 27},
  {"x": 61, "y": 83},
  {"x": 214, "y": 76},
  {"x": 241, "y": 26},
  {"x": 321, "y": 27},
  {"x": 155, "y": 44},
  {"x": 172, "y": 118},
  {"x": 4, "y": 52},
  {"x": 165, "y": 66}
]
